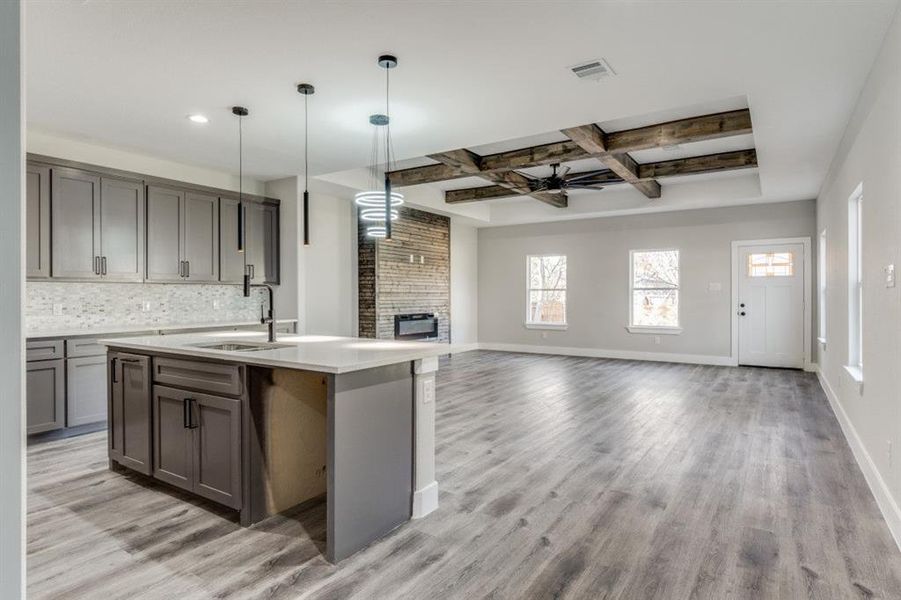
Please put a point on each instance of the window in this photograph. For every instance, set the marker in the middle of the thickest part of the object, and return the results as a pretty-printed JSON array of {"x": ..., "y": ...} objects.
[
  {"x": 855, "y": 284},
  {"x": 821, "y": 287},
  {"x": 654, "y": 291},
  {"x": 771, "y": 264},
  {"x": 547, "y": 292}
]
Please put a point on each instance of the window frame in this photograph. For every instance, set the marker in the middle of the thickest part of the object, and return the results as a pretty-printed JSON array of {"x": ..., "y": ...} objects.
[
  {"x": 854, "y": 367},
  {"x": 654, "y": 329},
  {"x": 528, "y": 323}
]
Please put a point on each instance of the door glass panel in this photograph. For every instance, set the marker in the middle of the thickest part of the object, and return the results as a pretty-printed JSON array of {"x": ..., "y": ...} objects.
[{"x": 771, "y": 264}]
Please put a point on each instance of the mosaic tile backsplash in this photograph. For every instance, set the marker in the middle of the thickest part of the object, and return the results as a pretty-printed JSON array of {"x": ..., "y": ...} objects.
[{"x": 53, "y": 306}]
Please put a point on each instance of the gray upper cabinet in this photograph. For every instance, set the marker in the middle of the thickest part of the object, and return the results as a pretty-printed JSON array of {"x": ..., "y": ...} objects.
[
  {"x": 37, "y": 210},
  {"x": 164, "y": 229},
  {"x": 122, "y": 230},
  {"x": 75, "y": 210},
  {"x": 97, "y": 227},
  {"x": 231, "y": 262},
  {"x": 262, "y": 242},
  {"x": 200, "y": 238},
  {"x": 182, "y": 236}
]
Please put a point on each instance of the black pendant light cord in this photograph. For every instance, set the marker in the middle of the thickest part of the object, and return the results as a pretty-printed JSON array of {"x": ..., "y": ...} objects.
[{"x": 387, "y": 153}]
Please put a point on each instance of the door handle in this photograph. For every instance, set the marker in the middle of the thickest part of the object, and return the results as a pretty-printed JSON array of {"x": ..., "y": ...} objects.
[
  {"x": 103, "y": 265},
  {"x": 188, "y": 413}
]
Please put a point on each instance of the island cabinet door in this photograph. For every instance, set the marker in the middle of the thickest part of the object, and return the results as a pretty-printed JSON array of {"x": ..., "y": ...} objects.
[
  {"x": 129, "y": 411},
  {"x": 173, "y": 446},
  {"x": 216, "y": 425}
]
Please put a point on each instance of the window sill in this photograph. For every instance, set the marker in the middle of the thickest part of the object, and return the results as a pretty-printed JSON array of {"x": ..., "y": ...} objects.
[
  {"x": 553, "y": 326},
  {"x": 655, "y": 330},
  {"x": 855, "y": 373}
]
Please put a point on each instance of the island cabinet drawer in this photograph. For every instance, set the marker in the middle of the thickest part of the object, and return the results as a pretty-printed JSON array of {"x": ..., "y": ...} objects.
[
  {"x": 84, "y": 347},
  {"x": 217, "y": 378},
  {"x": 44, "y": 350}
]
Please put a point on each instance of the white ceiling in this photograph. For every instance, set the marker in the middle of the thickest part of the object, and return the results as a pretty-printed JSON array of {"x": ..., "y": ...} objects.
[{"x": 470, "y": 75}]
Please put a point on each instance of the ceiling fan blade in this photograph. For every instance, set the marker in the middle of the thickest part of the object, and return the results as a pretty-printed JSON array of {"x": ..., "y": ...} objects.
[
  {"x": 587, "y": 186},
  {"x": 565, "y": 170}
]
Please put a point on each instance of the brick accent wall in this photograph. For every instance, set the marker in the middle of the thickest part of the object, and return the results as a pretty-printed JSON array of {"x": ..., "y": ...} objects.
[{"x": 390, "y": 284}]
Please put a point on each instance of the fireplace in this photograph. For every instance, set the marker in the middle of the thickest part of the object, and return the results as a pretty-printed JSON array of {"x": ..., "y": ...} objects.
[{"x": 416, "y": 326}]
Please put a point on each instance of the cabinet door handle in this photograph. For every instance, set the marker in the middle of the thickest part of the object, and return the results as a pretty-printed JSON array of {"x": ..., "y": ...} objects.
[
  {"x": 188, "y": 268},
  {"x": 186, "y": 413},
  {"x": 96, "y": 265},
  {"x": 181, "y": 268},
  {"x": 112, "y": 364},
  {"x": 253, "y": 271},
  {"x": 192, "y": 402},
  {"x": 103, "y": 265}
]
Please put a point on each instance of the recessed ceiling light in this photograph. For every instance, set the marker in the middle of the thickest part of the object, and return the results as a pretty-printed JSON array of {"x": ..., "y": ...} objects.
[{"x": 198, "y": 119}]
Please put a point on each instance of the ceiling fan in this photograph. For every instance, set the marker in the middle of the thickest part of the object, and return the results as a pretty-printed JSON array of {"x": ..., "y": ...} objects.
[{"x": 560, "y": 182}]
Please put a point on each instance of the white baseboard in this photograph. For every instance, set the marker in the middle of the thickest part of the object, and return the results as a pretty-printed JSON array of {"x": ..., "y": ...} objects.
[
  {"x": 887, "y": 505},
  {"x": 425, "y": 500},
  {"x": 695, "y": 359}
]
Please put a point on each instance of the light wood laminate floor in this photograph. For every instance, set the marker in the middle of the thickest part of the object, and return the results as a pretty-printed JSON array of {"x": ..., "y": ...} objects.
[{"x": 560, "y": 478}]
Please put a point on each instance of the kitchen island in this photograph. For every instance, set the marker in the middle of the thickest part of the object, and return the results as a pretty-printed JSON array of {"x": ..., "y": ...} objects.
[{"x": 262, "y": 427}]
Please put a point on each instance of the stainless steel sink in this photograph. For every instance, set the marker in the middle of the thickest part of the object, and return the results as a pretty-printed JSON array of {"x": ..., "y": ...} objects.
[{"x": 241, "y": 346}]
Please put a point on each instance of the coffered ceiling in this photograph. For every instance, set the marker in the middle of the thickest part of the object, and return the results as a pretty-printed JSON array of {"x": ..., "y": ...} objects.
[{"x": 476, "y": 75}]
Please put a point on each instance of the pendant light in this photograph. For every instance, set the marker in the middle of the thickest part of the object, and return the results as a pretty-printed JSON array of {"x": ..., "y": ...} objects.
[
  {"x": 378, "y": 204},
  {"x": 306, "y": 90},
  {"x": 242, "y": 112}
]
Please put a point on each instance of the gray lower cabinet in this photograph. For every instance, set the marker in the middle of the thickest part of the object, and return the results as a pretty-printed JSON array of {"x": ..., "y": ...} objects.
[
  {"x": 45, "y": 393},
  {"x": 86, "y": 390},
  {"x": 129, "y": 411},
  {"x": 197, "y": 443},
  {"x": 37, "y": 219}
]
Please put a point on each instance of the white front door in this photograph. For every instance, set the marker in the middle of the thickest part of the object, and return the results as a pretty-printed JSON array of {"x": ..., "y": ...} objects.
[{"x": 771, "y": 305}]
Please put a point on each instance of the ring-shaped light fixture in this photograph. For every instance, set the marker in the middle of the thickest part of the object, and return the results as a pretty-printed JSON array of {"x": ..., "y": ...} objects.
[{"x": 377, "y": 199}]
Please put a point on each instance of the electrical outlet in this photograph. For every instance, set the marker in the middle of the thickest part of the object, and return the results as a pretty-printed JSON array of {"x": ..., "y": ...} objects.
[
  {"x": 145, "y": 306},
  {"x": 428, "y": 390},
  {"x": 57, "y": 310}
]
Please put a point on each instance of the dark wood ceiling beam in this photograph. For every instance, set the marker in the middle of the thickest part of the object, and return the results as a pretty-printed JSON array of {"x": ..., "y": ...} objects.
[
  {"x": 594, "y": 141},
  {"x": 725, "y": 161},
  {"x": 470, "y": 163},
  {"x": 682, "y": 131},
  {"x": 710, "y": 163}
]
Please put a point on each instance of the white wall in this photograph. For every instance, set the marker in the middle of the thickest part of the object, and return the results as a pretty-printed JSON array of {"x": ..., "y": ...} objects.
[
  {"x": 58, "y": 146},
  {"x": 464, "y": 287},
  {"x": 870, "y": 153},
  {"x": 288, "y": 292},
  {"x": 328, "y": 267},
  {"x": 12, "y": 277},
  {"x": 598, "y": 271}
]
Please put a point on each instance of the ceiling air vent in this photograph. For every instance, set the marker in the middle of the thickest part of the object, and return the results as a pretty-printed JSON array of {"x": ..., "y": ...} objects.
[{"x": 593, "y": 69}]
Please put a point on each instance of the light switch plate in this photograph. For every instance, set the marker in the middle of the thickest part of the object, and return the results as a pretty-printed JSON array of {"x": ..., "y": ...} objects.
[{"x": 890, "y": 276}]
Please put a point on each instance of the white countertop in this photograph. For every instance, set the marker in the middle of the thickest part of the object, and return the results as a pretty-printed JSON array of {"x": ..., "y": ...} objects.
[
  {"x": 117, "y": 329},
  {"x": 327, "y": 354}
]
